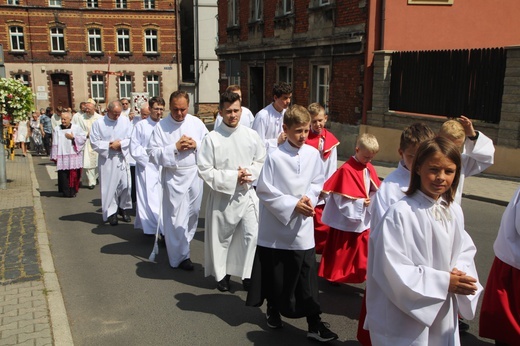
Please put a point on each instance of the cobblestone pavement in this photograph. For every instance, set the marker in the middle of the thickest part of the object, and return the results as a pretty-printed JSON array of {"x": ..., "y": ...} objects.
[{"x": 24, "y": 312}]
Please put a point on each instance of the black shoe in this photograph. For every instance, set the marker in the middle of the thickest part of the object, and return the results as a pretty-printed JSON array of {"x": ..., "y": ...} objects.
[
  {"x": 274, "y": 320},
  {"x": 91, "y": 187},
  {"x": 112, "y": 219},
  {"x": 124, "y": 215},
  {"x": 223, "y": 285},
  {"x": 463, "y": 326},
  {"x": 186, "y": 265},
  {"x": 246, "y": 284},
  {"x": 321, "y": 333}
]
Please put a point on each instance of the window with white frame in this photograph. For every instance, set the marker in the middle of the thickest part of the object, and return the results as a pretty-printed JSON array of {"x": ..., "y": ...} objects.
[
  {"x": 324, "y": 2},
  {"x": 121, "y": 4},
  {"x": 257, "y": 7},
  {"x": 232, "y": 12},
  {"x": 55, "y": 3},
  {"x": 17, "y": 39},
  {"x": 92, "y": 3},
  {"x": 97, "y": 87},
  {"x": 149, "y": 4},
  {"x": 287, "y": 6},
  {"x": 125, "y": 86},
  {"x": 94, "y": 40},
  {"x": 152, "y": 85},
  {"x": 13, "y": 2},
  {"x": 123, "y": 41},
  {"x": 150, "y": 37},
  {"x": 320, "y": 87},
  {"x": 22, "y": 77},
  {"x": 57, "y": 40},
  {"x": 285, "y": 73}
]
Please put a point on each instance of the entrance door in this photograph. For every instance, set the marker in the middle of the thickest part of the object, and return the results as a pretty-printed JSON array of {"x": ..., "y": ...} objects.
[
  {"x": 61, "y": 95},
  {"x": 256, "y": 89}
]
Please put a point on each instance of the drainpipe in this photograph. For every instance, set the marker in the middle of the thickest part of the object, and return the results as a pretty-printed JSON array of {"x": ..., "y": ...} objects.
[
  {"x": 197, "y": 57},
  {"x": 177, "y": 40}
]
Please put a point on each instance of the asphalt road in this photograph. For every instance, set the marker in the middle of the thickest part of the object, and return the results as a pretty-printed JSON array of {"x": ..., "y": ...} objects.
[{"x": 115, "y": 296}]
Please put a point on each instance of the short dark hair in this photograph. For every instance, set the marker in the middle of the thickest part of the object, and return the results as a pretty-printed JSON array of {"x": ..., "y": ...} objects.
[
  {"x": 180, "y": 93},
  {"x": 156, "y": 100},
  {"x": 228, "y": 96},
  {"x": 415, "y": 134},
  {"x": 427, "y": 149},
  {"x": 281, "y": 88}
]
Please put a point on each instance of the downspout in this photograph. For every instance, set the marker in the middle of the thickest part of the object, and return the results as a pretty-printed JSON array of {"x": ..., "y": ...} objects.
[
  {"x": 197, "y": 57},
  {"x": 177, "y": 40}
]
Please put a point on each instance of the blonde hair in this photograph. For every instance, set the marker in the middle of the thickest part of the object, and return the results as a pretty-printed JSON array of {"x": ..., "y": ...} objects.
[
  {"x": 452, "y": 129},
  {"x": 368, "y": 141},
  {"x": 296, "y": 115},
  {"x": 315, "y": 109}
]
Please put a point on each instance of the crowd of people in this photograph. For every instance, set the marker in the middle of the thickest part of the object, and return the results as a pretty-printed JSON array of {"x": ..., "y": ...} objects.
[{"x": 277, "y": 199}]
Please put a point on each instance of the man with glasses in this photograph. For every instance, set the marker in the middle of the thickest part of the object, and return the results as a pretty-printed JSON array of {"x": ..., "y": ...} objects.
[
  {"x": 127, "y": 110},
  {"x": 173, "y": 146},
  {"x": 147, "y": 173}
]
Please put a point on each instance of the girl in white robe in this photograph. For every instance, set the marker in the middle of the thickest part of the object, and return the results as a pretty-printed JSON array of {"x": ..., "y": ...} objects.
[{"x": 421, "y": 272}]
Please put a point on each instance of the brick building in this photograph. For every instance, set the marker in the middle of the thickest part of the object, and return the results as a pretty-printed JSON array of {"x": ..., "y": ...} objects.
[
  {"x": 316, "y": 45},
  {"x": 63, "y": 49}
]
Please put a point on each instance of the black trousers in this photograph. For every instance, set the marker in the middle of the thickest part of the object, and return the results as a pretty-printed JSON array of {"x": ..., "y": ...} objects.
[{"x": 47, "y": 143}]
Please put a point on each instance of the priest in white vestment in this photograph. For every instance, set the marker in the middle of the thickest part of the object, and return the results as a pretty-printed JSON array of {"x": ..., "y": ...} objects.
[
  {"x": 149, "y": 192},
  {"x": 110, "y": 138},
  {"x": 90, "y": 157},
  {"x": 173, "y": 146},
  {"x": 230, "y": 159}
]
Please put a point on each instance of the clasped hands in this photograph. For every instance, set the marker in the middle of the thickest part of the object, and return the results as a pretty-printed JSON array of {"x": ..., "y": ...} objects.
[
  {"x": 460, "y": 283},
  {"x": 244, "y": 176},
  {"x": 185, "y": 143},
  {"x": 304, "y": 207}
]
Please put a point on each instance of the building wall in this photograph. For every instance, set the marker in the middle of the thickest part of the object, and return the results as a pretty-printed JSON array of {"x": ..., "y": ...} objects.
[{"x": 36, "y": 18}]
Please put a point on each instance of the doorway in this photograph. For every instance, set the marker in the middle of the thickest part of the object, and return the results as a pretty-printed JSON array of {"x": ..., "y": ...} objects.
[
  {"x": 256, "y": 88},
  {"x": 61, "y": 95}
]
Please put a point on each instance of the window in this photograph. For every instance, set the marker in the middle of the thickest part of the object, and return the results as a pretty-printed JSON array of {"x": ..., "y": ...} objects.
[
  {"x": 320, "y": 88},
  {"x": 92, "y": 3},
  {"x": 125, "y": 86},
  {"x": 430, "y": 2},
  {"x": 150, "y": 37},
  {"x": 22, "y": 77},
  {"x": 17, "y": 39},
  {"x": 123, "y": 41},
  {"x": 121, "y": 4},
  {"x": 97, "y": 86},
  {"x": 57, "y": 40},
  {"x": 55, "y": 3},
  {"x": 234, "y": 80},
  {"x": 256, "y": 10},
  {"x": 324, "y": 2},
  {"x": 149, "y": 4},
  {"x": 285, "y": 74},
  {"x": 13, "y": 2},
  {"x": 152, "y": 85},
  {"x": 233, "y": 13},
  {"x": 94, "y": 41},
  {"x": 287, "y": 6}
]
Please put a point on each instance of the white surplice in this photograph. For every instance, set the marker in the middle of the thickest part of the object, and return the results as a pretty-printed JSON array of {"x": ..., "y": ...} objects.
[
  {"x": 232, "y": 209},
  {"x": 114, "y": 171},
  {"x": 288, "y": 174},
  {"x": 148, "y": 186},
  {"x": 269, "y": 124},
  {"x": 182, "y": 187},
  {"x": 411, "y": 254},
  {"x": 66, "y": 152},
  {"x": 476, "y": 156},
  {"x": 90, "y": 156},
  {"x": 507, "y": 244},
  {"x": 392, "y": 189}
]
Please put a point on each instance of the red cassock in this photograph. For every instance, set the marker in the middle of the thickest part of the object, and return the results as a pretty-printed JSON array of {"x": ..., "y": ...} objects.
[
  {"x": 345, "y": 255},
  {"x": 324, "y": 142},
  {"x": 500, "y": 312}
]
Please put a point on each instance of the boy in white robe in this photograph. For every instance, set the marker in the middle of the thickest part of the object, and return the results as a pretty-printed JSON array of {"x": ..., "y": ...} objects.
[
  {"x": 477, "y": 149},
  {"x": 268, "y": 121},
  {"x": 148, "y": 189},
  {"x": 173, "y": 146},
  {"x": 230, "y": 159},
  {"x": 110, "y": 138},
  {"x": 284, "y": 271},
  {"x": 421, "y": 271}
]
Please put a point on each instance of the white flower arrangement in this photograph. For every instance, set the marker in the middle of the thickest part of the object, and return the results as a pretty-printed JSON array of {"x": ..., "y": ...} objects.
[{"x": 16, "y": 99}]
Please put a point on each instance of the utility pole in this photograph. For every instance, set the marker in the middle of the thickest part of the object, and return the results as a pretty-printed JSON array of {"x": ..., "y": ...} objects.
[{"x": 3, "y": 175}]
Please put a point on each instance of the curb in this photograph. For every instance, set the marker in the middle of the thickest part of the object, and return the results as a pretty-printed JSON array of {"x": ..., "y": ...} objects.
[
  {"x": 57, "y": 313},
  {"x": 486, "y": 199}
]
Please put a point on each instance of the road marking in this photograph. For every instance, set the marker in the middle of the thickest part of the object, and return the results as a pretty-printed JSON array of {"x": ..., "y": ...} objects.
[{"x": 51, "y": 170}]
